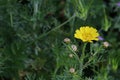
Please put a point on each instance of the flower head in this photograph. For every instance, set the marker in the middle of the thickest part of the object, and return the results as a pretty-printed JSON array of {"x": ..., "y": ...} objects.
[
  {"x": 100, "y": 38},
  {"x": 74, "y": 47},
  {"x": 72, "y": 70},
  {"x": 70, "y": 55},
  {"x": 86, "y": 34},
  {"x": 106, "y": 44},
  {"x": 118, "y": 4},
  {"x": 67, "y": 40}
]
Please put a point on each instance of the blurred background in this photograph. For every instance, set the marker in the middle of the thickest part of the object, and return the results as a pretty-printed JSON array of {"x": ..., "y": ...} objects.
[{"x": 32, "y": 34}]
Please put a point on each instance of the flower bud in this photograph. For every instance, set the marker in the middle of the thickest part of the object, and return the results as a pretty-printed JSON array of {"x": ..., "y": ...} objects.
[
  {"x": 106, "y": 44},
  {"x": 72, "y": 70},
  {"x": 71, "y": 55},
  {"x": 74, "y": 47},
  {"x": 67, "y": 40}
]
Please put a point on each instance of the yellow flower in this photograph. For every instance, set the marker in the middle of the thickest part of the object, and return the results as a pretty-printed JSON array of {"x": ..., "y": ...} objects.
[{"x": 86, "y": 34}]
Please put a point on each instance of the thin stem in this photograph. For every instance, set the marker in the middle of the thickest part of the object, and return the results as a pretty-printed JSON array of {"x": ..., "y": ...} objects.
[
  {"x": 72, "y": 24},
  {"x": 90, "y": 4},
  {"x": 97, "y": 50},
  {"x": 76, "y": 56},
  {"x": 56, "y": 68},
  {"x": 35, "y": 7},
  {"x": 56, "y": 27},
  {"x": 83, "y": 50},
  {"x": 45, "y": 34},
  {"x": 11, "y": 19},
  {"x": 92, "y": 57},
  {"x": 82, "y": 58}
]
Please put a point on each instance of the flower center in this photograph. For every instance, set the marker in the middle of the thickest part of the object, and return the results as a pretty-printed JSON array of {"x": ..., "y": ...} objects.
[{"x": 88, "y": 36}]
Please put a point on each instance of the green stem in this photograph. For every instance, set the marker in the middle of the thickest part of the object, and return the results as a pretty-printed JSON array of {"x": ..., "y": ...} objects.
[
  {"x": 57, "y": 67},
  {"x": 83, "y": 50},
  {"x": 45, "y": 34},
  {"x": 82, "y": 58},
  {"x": 76, "y": 56},
  {"x": 92, "y": 57},
  {"x": 56, "y": 27},
  {"x": 35, "y": 7},
  {"x": 11, "y": 19}
]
